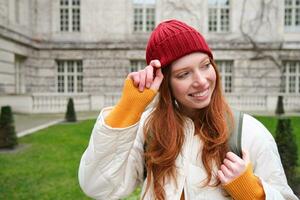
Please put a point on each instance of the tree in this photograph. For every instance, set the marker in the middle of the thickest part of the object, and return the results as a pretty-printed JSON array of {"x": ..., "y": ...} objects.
[
  {"x": 8, "y": 138},
  {"x": 287, "y": 148},
  {"x": 279, "y": 108},
  {"x": 70, "y": 113}
]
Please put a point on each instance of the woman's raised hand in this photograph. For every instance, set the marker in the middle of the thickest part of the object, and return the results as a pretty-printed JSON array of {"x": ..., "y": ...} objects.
[
  {"x": 233, "y": 166},
  {"x": 149, "y": 77}
]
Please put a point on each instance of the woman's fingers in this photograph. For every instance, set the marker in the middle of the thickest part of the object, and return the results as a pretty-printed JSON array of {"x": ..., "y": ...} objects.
[
  {"x": 234, "y": 162},
  {"x": 150, "y": 77},
  {"x": 135, "y": 76},
  {"x": 155, "y": 63},
  {"x": 157, "y": 80},
  {"x": 246, "y": 156},
  {"x": 142, "y": 83},
  {"x": 233, "y": 166},
  {"x": 227, "y": 172},
  {"x": 233, "y": 157},
  {"x": 222, "y": 177}
]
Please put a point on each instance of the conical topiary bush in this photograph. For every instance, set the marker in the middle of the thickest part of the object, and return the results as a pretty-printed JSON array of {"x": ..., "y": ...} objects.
[
  {"x": 8, "y": 138},
  {"x": 70, "y": 113},
  {"x": 287, "y": 148},
  {"x": 279, "y": 108}
]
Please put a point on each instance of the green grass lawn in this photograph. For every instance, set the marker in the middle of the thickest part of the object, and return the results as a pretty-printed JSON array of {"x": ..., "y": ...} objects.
[
  {"x": 271, "y": 122},
  {"x": 46, "y": 168}
]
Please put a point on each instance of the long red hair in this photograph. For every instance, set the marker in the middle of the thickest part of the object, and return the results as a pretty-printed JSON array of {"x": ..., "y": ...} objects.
[{"x": 164, "y": 133}]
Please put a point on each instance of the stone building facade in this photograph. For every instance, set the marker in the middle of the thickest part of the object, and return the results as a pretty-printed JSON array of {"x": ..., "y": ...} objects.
[{"x": 53, "y": 50}]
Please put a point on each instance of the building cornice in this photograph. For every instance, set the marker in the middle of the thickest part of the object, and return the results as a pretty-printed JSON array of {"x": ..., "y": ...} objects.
[{"x": 40, "y": 44}]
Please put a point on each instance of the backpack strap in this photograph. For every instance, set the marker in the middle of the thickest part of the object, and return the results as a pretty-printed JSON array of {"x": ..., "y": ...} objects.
[{"x": 235, "y": 140}]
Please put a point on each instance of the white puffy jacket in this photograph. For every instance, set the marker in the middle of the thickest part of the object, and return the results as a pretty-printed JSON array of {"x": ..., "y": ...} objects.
[{"x": 112, "y": 165}]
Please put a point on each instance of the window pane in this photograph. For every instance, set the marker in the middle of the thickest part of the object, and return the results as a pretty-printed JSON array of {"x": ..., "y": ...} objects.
[
  {"x": 143, "y": 15},
  {"x": 292, "y": 84},
  {"x": 225, "y": 69},
  {"x": 288, "y": 17},
  {"x": 219, "y": 16},
  {"x": 299, "y": 84},
  {"x": 282, "y": 89},
  {"x": 60, "y": 67},
  {"x": 297, "y": 17},
  {"x": 79, "y": 83},
  {"x": 228, "y": 68},
  {"x": 76, "y": 19},
  {"x": 228, "y": 84},
  {"x": 144, "y": 1},
  {"x": 64, "y": 2},
  {"x": 292, "y": 68},
  {"x": 218, "y": 2},
  {"x": 292, "y": 15},
  {"x": 291, "y": 76},
  {"x": 136, "y": 65},
  {"x": 150, "y": 21},
  {"x": 138, "y": 19},
  {"x": 70, "y": 15},
  {"x": 70, "y": 66},
  {"x": 70, "y": 84},
  {"x": 70, "y": 72},
  {"x": 224, "y": 20},
  {"x": 75, "y": 2},
  {"x": 64, "y": 19},
  {"x": 79, "y": 67},
  {"x": 61, "y": 84},
  {"x": 212, "y": 21}
]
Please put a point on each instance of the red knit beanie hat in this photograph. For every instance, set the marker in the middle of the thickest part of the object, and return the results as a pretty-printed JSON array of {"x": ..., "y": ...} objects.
[{"x": 173, "y": 39}]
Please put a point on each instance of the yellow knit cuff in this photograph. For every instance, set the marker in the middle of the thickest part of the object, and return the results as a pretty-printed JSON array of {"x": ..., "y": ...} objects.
[
  {"x": 245, "y": 187},
  {"x": 130, "y": 107}
]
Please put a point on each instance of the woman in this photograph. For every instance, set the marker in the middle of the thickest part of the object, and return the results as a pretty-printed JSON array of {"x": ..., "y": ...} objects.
[{"x": 182, "y": 138}]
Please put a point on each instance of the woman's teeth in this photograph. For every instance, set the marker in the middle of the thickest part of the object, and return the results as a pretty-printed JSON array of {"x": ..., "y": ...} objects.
[{"x": 199, "y": 94}]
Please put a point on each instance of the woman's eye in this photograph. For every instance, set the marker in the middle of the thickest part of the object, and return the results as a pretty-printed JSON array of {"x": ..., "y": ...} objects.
[
  {"x": 182, "y": 75},
  {"x": 206, "y": 66}
]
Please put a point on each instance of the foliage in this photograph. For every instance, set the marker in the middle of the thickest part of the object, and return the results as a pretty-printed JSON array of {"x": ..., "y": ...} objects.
[
  {"x": 70, "y": 113},
  {"x": 287, "y": 147},
  {"x": 279, "y": 108},
  {"x": 8, "y": 138}
]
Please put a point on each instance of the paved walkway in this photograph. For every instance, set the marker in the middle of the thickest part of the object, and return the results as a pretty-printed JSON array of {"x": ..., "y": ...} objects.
[{"x": 28, "y": 123}]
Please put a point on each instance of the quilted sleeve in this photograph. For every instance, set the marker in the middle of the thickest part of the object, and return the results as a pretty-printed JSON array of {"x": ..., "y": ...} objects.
[
  {"x": 266, "y": 160},
  {"x": 112, "y": 165}
]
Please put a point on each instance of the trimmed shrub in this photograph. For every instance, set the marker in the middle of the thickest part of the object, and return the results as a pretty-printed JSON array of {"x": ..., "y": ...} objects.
[
  {"x": 8, "y": 137},
  {"x": 70, "y": 113},
  {"x": 287, "y": 148},
  {"x": 279, "y": 108}
]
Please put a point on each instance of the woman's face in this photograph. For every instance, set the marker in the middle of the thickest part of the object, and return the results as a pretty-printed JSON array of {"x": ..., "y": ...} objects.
[{"x": 193, "y": 79}]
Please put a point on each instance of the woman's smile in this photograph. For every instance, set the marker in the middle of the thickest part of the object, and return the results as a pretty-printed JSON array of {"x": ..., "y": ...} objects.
[
  {"x": 200, "y": 95},
  {"x": 193, "y": 80}
]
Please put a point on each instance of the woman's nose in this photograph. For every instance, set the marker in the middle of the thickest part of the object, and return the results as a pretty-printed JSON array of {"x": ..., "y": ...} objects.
[{"x": 199, "y": 79}]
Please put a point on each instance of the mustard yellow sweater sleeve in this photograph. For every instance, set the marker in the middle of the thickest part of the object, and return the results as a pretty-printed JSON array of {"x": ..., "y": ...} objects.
[
  {"x": 130, "y": 107},
  {"x": 246, "y": 187}
]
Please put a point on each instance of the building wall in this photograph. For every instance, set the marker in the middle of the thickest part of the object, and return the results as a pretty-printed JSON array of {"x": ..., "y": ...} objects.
[{"x": 256, "y": 43}]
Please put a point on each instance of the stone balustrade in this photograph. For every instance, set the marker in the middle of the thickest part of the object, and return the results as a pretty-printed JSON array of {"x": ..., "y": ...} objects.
[{"x": 57, "y": 103}]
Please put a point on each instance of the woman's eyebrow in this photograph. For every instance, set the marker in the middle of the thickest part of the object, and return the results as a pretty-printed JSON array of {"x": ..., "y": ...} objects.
[
  {"x": 181, "y": 69},
  {"x": 205, "y": 60}
]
